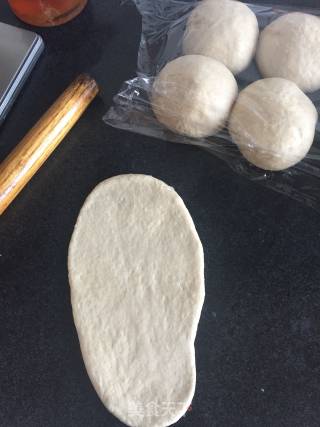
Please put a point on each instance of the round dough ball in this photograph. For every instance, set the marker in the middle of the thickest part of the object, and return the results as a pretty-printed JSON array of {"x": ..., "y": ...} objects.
[
  {"x": 225, "y": 30},
  {"x": 193, "y": 95},
  {"x": 273, "y": 123},
  {"x": 289, "y": 48}
]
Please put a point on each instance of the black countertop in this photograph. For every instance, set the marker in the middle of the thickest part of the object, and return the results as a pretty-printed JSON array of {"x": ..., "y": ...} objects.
[{"x": 258, "y": 344}]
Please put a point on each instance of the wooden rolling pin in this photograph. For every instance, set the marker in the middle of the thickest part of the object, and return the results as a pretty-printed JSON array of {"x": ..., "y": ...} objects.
[{"x": 34, "y": 149}]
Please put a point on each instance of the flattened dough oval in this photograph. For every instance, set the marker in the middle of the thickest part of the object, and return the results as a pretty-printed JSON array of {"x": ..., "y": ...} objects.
[{"x": 137, "y": 288}]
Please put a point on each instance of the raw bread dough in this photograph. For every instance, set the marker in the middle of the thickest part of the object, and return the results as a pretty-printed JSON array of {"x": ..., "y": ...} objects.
[
  {"x": 137, "y": 289},
  {"x": 273, "y": 123},
  {"x": 225, "y": 30},
  {"x": 289, "y": 48},
  {"x": 193, "y": 95}
]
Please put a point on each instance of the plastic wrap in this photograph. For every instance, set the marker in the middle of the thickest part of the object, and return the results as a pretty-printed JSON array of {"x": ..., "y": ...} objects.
[{"x": 163, "y": 27}]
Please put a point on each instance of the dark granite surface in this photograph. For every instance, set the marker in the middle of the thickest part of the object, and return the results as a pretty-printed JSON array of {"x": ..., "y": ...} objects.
[{"x": 258, "y": 345}]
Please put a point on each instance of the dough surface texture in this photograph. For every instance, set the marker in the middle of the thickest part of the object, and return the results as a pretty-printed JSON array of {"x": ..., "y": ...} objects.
[
  {"x": 273, "y": 123},
  {"x": 136, "y": 275},
  {"x": 225, "y": 30},
  {"x": 193, "y": 95},
  {"x": 289, "y": 48}
]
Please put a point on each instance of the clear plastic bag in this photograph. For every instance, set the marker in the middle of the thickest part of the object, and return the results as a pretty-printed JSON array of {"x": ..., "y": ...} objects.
[{"x": 163, "y": 26}]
